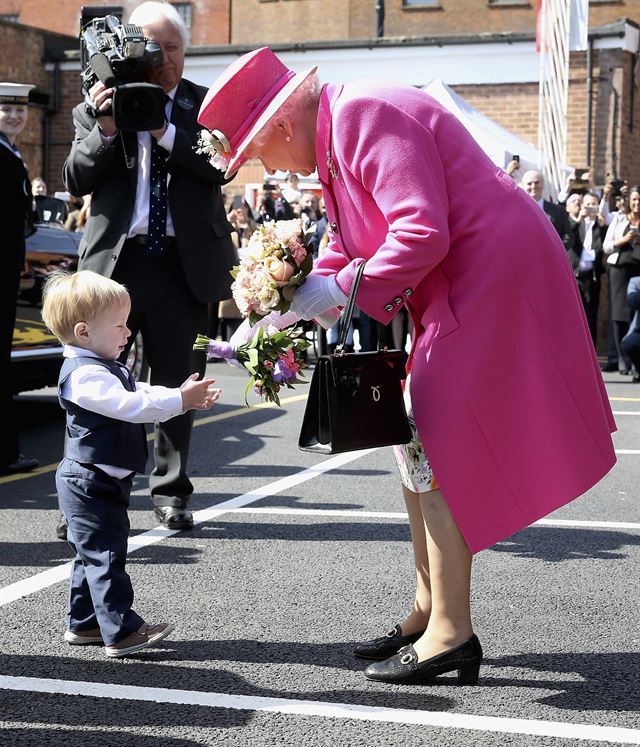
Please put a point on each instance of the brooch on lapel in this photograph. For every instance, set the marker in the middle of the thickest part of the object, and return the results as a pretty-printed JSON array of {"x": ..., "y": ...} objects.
[{"x": 331, "y": 165}]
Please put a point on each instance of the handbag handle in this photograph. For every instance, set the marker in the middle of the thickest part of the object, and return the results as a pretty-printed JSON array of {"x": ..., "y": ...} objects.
[{"x": 347, "y": 312}]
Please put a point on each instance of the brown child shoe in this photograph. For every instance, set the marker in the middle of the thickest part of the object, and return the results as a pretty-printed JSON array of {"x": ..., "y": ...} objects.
[
  {"x": 83, "y": 637},
  {"x": 144, "y": 637}
]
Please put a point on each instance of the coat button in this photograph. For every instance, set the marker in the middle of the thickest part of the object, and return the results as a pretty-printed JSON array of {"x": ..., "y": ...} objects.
[
  {"x": 408, "y": 292},
  {"x": 334, "y": 227},
  {"x": 397, "y": 301},
  {"x": 114, "y": 257},
  {"x": 388, "y": 307}
]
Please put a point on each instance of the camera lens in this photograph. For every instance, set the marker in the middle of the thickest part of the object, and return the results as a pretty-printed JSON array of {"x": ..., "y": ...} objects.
[{"x": 138, "y": 105}]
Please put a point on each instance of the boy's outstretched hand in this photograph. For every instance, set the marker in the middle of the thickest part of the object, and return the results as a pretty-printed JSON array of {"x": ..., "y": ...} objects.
[{"x": 196, "y": 395}]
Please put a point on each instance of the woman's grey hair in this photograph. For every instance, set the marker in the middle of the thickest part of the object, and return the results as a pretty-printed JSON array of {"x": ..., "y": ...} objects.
[
  {"x": 303, "y": 98},
  {"x": 153, "y": 11}
]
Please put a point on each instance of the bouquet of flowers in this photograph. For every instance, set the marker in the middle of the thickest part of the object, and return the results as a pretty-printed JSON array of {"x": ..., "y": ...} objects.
[
  {"x": 277, "y": 260},
  {"x": 272, "y": 359}
]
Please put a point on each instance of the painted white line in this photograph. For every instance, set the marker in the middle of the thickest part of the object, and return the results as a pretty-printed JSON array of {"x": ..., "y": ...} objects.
[
  {"x": 564, "y": 730},
  {"x": 627, "y": 451},
  {"x": 625, "y": 412},
  {"x": 591, "y": 524},
  {"x": 392, "y": 515},
  {"x": 53, "y": 575}
]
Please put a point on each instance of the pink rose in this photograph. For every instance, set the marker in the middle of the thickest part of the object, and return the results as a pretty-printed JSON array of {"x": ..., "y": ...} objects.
[{"x": 280, "y": 271}]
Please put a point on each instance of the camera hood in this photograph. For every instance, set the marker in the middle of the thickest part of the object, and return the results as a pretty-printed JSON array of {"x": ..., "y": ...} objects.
[{"x": 138, "y": 106}]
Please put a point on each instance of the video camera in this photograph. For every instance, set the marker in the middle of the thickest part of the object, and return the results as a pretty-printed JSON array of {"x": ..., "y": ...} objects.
[{"x": 119, "y": 55}]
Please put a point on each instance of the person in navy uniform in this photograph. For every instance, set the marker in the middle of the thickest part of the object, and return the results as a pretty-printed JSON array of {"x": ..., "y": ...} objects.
[
  {"x": 105, "y": 446},
  {"x": 16, "y": 222}
]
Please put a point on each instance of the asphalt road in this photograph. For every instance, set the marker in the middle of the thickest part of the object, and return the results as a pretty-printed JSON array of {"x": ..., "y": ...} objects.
[{"x": 286, "y": 568}]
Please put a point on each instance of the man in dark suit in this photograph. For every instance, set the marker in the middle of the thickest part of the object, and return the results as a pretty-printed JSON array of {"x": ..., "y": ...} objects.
[
  {"x": 157, "y": 224},
  {"x": 586, "y": 257},
  {"x": 533, "y": 183}
]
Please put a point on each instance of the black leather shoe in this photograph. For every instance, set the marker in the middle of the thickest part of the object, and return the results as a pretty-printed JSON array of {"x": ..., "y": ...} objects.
[
  {"x": 387, "y": 645},
  {"x": 405, "y": 669},
  {"x": 173, "y": 517},
  {"x": 609, "y": 367},
  {"x": 21, "y": 464}
]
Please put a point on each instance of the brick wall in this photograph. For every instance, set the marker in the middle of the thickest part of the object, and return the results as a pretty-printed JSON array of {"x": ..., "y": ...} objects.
[
  {"x": 209, "y": 18},
  {"x": 514, "y": 106},
  {"x": 615, "y": 134},
  {"x": 284, "y": 21},
  {"x": 281, "y": 21}
]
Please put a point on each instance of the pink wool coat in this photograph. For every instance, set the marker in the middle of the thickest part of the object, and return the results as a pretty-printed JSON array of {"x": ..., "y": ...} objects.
[{"x": 506, "y": 388}]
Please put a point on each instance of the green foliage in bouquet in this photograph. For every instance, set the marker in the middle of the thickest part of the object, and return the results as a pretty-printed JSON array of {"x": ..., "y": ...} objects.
[{"x": 272, "y": 360}]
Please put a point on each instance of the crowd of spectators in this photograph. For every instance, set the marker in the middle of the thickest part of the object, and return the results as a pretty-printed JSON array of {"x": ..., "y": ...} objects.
[
  {"x": 598, "y": 227},
  {"x": 600, "y": 232}
]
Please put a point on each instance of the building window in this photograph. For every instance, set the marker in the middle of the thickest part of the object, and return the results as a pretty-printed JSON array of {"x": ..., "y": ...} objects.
[
  {"x": 11, "y": 17},
  {"x": 421, "y": 3},
  {"x": 184, "y": 11}
]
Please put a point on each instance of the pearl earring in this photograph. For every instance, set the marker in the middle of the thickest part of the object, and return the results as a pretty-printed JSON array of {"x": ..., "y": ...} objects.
[{"x": 288, "y": 139}]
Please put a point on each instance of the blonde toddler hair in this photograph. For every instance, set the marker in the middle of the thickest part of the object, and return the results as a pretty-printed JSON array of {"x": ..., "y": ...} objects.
[{"x": 79, "y": 297}]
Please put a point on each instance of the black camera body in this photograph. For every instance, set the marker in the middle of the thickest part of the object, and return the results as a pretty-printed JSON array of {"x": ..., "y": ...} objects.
[{"x": 119, "y": 55}]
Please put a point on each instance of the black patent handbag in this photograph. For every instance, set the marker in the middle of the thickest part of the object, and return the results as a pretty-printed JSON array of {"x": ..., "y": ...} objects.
[{"x": 355, "y": 399}]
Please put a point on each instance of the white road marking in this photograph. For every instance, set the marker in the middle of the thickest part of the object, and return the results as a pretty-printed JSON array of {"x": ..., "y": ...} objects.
[
  {"x": 625, "y": 412},
  {"x": 342, "y": 513},
  {"x": 53, "y": 575},
  {"x": 448, "y": 720},
  {"x": 627, "y": 451}
]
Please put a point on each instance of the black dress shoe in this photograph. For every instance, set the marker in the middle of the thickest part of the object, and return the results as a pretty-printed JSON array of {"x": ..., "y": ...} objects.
[
  {"x": 173, "y": 517},
  {"x": 21, "y": 464},
  {"x": 609, "y": 367},
  {"x": 405, "y": 669},
  {"x": 385, "y": 646}
]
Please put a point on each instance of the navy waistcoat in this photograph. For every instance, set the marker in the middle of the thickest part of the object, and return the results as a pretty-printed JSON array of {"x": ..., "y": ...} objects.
[{"x": 97, "y": 439}]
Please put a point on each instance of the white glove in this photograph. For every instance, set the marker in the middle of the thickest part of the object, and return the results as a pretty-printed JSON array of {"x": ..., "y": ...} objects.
[
  {"x": 318, "y": 293},
  {"x": 246, "y": 332}
]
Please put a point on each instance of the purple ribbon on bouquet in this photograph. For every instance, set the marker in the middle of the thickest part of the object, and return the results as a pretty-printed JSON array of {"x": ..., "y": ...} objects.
[{"x": 219, "y": 349}]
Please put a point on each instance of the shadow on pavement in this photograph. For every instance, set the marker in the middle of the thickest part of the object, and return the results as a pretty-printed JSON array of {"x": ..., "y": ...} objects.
[
  {"x": 345, "y": 531},
  {"x": 608, "y": 680},
  {"x": 83, "y": 737},
  {"x": 556, "y": 544}
]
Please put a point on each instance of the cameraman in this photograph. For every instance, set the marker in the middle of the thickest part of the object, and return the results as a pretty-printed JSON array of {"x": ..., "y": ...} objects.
[{"x": 171, "y": 273}]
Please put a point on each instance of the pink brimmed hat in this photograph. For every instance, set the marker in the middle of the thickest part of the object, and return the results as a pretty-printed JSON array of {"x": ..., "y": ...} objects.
[{"x": 244, "y": 98}]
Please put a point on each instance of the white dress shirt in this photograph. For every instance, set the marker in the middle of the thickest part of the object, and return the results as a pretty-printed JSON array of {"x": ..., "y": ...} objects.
[
  {"x": 96, "y": 389},
  {"x": 588, "y": 255},
  {"x": 140, "y": 218}
]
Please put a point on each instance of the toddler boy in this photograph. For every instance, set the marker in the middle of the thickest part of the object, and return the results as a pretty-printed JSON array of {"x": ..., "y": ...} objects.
[{"x": 105, "y": 446}]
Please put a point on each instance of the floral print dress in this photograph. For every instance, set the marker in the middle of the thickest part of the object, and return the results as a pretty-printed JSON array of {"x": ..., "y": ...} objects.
[{"x": 415, "y": 471}]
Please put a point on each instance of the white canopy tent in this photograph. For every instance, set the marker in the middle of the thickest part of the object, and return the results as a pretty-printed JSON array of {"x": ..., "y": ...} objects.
[{"x": 496, "y": 141}]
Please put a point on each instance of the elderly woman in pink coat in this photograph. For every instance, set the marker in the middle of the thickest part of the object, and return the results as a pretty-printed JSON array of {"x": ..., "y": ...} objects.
[{"x": 512, "y": 418}]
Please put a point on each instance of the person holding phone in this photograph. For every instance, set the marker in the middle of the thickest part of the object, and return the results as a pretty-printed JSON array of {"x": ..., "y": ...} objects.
[{"x": 586, "y": 255}]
